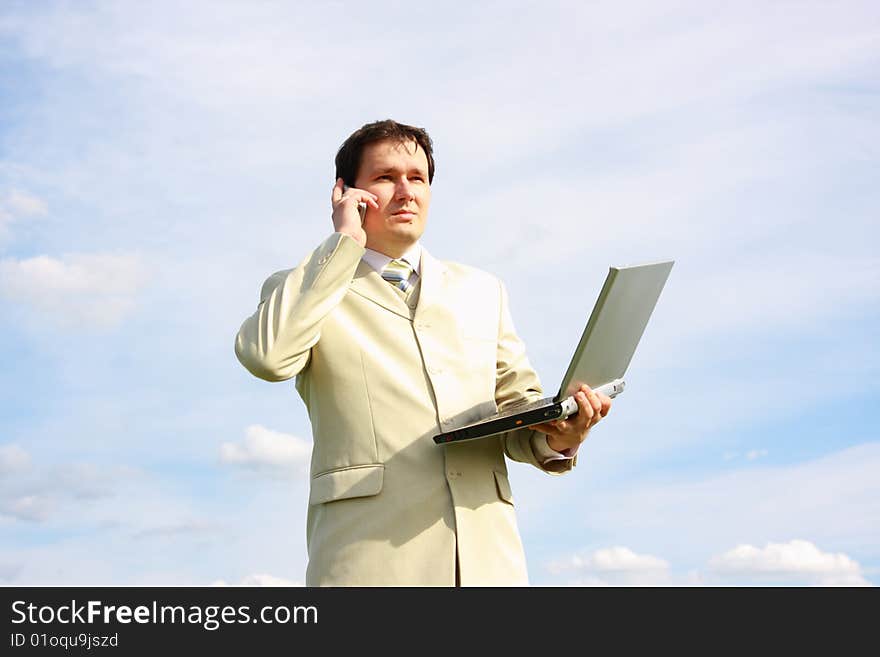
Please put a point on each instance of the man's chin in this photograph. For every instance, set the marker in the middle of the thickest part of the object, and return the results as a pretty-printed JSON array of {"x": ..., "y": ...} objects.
[
  {"x": 395, "y": 240},
  {"x": 408, "y": 230}
]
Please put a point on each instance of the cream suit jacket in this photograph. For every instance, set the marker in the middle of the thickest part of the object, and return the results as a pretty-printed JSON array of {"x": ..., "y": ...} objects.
[{"x": 380, "y": 376}]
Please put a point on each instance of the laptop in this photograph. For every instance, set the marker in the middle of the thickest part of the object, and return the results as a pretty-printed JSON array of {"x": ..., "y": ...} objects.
[{"x": 601, "y": 357}]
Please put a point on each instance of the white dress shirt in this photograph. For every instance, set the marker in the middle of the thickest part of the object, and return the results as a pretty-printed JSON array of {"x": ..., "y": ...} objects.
[{"x": 379, "y": 261}]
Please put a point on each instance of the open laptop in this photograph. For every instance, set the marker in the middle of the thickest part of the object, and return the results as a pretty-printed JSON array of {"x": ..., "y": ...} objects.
[{"x": 600, "y": 360}]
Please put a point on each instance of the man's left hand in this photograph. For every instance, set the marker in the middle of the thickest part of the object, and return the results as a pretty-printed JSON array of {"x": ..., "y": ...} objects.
[{"x": 571, "y": 432}]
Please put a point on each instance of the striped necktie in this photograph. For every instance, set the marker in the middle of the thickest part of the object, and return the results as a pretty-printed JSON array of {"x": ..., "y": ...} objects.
[{"x": 397, "y": 272}]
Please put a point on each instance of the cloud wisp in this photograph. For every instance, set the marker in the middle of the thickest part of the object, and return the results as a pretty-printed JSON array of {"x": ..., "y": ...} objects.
[
  {"x": 16, "y": 205},
  {"x": 268, "y": 451},
  {"x": 77, "y": 290},
  {"x": 795, "y": 562},
  {"x": 37, "y": 493},
  {"x": 616, "y": 565},
  {"x": 259, "y": 579},
  {"x": 13, "y": 459}
]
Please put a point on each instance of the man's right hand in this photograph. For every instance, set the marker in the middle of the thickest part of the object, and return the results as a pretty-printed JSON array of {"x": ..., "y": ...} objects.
[{"x": 346, "y": 218}]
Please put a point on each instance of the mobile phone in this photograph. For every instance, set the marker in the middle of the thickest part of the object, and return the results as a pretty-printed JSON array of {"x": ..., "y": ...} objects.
[{"x": 362, "y": 207}]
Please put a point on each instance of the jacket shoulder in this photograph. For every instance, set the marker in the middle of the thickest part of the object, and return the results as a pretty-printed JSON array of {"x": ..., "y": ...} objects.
[{"x": 461, "y": 273}]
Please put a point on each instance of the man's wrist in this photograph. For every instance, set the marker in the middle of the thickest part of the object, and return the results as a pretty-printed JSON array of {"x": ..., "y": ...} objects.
[
  {"x": 360, "y": 238},
  {"x": 557, "y": 445},
  {"x": 545, "y": 453}
]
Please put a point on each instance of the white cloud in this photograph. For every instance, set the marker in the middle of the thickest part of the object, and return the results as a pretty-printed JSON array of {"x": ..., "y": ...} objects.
[
  {"x": 87, "y": 481},
  {"x": 794, "y": 562},
  {"x": 612, "y": 565},
  {"x": 22, "y": 204},
  {"x": 623, "y": 559},
  {"x": 834, "y": 499},
  {"x": 797, "y": 562},
  {"x": 13, "y": 459},
  {"x": 43, "y": 493},
  {"x": 9, "y": 571},
  {"x": 751, "y": 455},
  {"x": 32, "y": 508},
  {"x": 18, "y": 499},
  {"x": 259, "y": 579},
  {"x": 189, "y": 527},
  {"x": 95, "y": 290},
  {"x": 264, "y": 448},
  {"x": 16, "y": 204},
  {"x": 161, "y": 531}
]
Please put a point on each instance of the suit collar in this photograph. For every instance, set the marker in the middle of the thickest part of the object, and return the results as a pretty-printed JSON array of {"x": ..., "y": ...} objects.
[
  {"x": 369, "y": 284},
  {"x": 432, "y": 281},
  {"x": 378, "y": 260}
]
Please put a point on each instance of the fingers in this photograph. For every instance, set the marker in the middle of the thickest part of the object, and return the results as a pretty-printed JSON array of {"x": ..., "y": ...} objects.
[
  {"x": 340, "y": 194},
  {"x": 552, "y": 429},
  {"x": 581, "y": 419},
  {"x": 585, "y": 408},
  {"x": 606, "y": 405},
  {"x": 592, "y": 407},
  {"x": 593, "y": 400},
  {"x": 544, "y": 427},
  {"x": 600, "y": 402}
]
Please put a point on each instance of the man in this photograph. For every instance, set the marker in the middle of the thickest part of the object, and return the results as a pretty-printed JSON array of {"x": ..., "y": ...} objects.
[{"x": 390, "y": 346}]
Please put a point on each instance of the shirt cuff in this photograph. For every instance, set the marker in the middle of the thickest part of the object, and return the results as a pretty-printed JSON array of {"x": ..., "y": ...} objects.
[{"x": 545, "y": 453}]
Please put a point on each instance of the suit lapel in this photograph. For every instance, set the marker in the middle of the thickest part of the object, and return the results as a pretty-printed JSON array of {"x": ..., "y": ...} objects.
[
  {"x": 368, "y": 284},
  {"x": 433, "y": 275}
]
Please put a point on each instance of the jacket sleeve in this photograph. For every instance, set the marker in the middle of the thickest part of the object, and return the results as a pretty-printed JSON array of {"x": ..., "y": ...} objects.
[
  {"x": 514, "y": 380},
  {"x": 275, "y": 342}
]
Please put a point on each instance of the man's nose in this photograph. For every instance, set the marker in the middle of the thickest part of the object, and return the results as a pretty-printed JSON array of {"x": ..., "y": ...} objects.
[{"x": 405, "y": 190}]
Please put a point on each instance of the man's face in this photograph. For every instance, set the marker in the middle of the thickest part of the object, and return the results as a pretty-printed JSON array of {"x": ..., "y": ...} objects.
[{"x": 397, "y": 173}]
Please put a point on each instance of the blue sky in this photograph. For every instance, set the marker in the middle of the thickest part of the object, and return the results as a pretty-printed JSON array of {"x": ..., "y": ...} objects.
[{"x": 158, "y": 162}]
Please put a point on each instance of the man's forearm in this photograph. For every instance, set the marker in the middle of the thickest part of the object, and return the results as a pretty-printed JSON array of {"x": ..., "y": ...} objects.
[{"x": 274, "y": 342}]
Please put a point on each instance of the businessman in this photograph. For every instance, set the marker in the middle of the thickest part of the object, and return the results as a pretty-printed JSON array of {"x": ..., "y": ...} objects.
[{"x": 390, "y": 346}]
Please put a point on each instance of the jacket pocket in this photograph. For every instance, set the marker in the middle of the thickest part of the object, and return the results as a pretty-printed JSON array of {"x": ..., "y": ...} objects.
[
  {"x": 503, "y": 486},
  {"x": 344, "y": 483}
]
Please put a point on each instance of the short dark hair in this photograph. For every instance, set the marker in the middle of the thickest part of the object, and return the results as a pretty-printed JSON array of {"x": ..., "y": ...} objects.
[{"x": 348, "y": 158}]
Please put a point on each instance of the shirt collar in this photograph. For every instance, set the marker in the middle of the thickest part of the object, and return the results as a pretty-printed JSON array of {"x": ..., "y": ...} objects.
[{"x": 378, "y": 260}]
